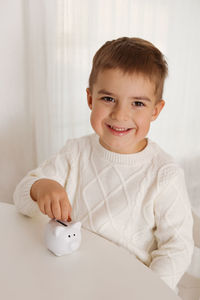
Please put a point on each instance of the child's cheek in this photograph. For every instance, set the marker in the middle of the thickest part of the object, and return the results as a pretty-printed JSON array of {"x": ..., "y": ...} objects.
[
  {"x": 143, "y": 123},
  {"x": 95, "y": 120},
  {"x": 98, "y": 113}
]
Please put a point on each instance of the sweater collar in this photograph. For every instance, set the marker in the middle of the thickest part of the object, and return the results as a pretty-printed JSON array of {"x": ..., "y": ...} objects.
[{"x": 127, "y": 159}]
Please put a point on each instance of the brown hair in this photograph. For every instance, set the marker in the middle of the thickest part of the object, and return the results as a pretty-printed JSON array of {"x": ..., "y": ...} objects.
[{"x": 131, "y": 55}]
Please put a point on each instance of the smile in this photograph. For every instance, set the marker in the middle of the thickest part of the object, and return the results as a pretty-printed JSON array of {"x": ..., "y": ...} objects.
[{"x": 119, "y": 131}]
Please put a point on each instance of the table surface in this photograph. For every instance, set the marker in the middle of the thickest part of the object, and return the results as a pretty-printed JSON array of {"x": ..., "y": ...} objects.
[{"x": 97, "y": 270}]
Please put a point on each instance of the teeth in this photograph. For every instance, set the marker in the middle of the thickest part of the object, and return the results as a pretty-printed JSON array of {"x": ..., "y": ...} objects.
[{"x": 118, "y": 129}]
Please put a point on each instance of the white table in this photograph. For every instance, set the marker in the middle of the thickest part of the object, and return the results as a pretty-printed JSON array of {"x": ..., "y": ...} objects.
[{"x": 99, "y": 270}]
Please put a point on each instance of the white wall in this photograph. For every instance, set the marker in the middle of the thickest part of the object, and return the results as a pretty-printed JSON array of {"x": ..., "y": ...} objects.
[{"x": 15, "y": 143}]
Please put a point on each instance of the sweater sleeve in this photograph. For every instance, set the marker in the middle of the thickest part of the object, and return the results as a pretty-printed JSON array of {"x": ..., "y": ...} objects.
[
  {"x": 56, "y": 168},
  {"x": 174, "y": 225}
]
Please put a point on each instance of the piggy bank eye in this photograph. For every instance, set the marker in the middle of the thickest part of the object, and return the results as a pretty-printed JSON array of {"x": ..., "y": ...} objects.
[
  {"x": 74, "y": 234},
  {"x": 69, "y": 235}
]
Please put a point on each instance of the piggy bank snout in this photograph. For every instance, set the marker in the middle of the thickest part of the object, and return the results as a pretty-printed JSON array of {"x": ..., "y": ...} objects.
[{"x": 75, "y": 245}]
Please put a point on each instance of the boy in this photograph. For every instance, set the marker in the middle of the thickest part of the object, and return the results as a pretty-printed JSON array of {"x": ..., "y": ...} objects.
[{"x": 117, "y": 182}]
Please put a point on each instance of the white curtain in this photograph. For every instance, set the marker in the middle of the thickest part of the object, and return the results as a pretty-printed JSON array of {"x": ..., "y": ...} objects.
[{"x": 62, "y": 37}]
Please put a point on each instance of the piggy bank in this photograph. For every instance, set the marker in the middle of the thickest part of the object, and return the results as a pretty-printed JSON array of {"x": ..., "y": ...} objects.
[{"x": 62, "y": 237}]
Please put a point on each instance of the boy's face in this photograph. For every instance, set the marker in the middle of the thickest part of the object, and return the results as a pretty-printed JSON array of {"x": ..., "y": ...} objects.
[{"x": 122, "y": 108}]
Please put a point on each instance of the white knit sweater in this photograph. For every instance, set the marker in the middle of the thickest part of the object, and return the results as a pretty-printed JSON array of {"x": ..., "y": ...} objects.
[{"x": 139, "y": 201}]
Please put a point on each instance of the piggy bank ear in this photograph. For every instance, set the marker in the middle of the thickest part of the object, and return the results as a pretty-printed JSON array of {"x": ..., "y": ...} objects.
[
  {"x": 77, "y": 225},
  {"x": 58, "y": 230}
]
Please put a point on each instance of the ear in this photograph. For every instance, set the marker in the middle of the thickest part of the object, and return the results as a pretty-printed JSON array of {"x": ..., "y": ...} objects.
[
  {"x": 89, "y": 98},
  {"x": 77, "y": 225},
  {"x": 157, "y": 109}
]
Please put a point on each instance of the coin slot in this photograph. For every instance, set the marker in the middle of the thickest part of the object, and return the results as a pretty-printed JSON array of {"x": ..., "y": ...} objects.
[{"x": 61, "y": 223}]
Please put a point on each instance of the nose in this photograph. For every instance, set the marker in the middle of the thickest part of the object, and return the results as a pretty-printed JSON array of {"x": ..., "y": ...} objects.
[{"x": 120, "y": 113}]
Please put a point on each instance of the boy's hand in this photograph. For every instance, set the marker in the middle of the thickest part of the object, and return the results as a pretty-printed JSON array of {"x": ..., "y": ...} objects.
[{"x": 52, "y": 199}]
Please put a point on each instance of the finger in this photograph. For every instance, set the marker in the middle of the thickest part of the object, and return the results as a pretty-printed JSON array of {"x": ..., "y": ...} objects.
[
  {"x": 41, "y": 207},
  {"x": 69, "y": 219},
  {"x": 48, "y": 211},
  {"x": 56, "y": 210},
  {"x": 69, "y": 213},
  {"x": 64, "y": 209}
]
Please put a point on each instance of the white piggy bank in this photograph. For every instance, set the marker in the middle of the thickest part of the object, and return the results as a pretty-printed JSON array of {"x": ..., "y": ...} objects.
[{"x": 62, "y": 237}]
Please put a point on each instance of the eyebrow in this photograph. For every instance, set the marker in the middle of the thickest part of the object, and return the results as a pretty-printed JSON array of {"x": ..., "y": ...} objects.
[
  {"x": 105, "y": 92},
  {"x": 142, "y": 98},
  {"x": 134, "y": 97}
]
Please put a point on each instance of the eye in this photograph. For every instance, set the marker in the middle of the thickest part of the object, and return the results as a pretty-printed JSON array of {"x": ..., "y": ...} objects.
[
  {"x": 138, "y": 103},
  {"x": 108, "y": 99},
  {"x": 74, "y": 234},
  {"x": 69, "y": 235}
]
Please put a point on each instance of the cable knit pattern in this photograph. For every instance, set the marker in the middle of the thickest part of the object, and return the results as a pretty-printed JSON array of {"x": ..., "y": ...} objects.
[{"x": 138, "y": 201}]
